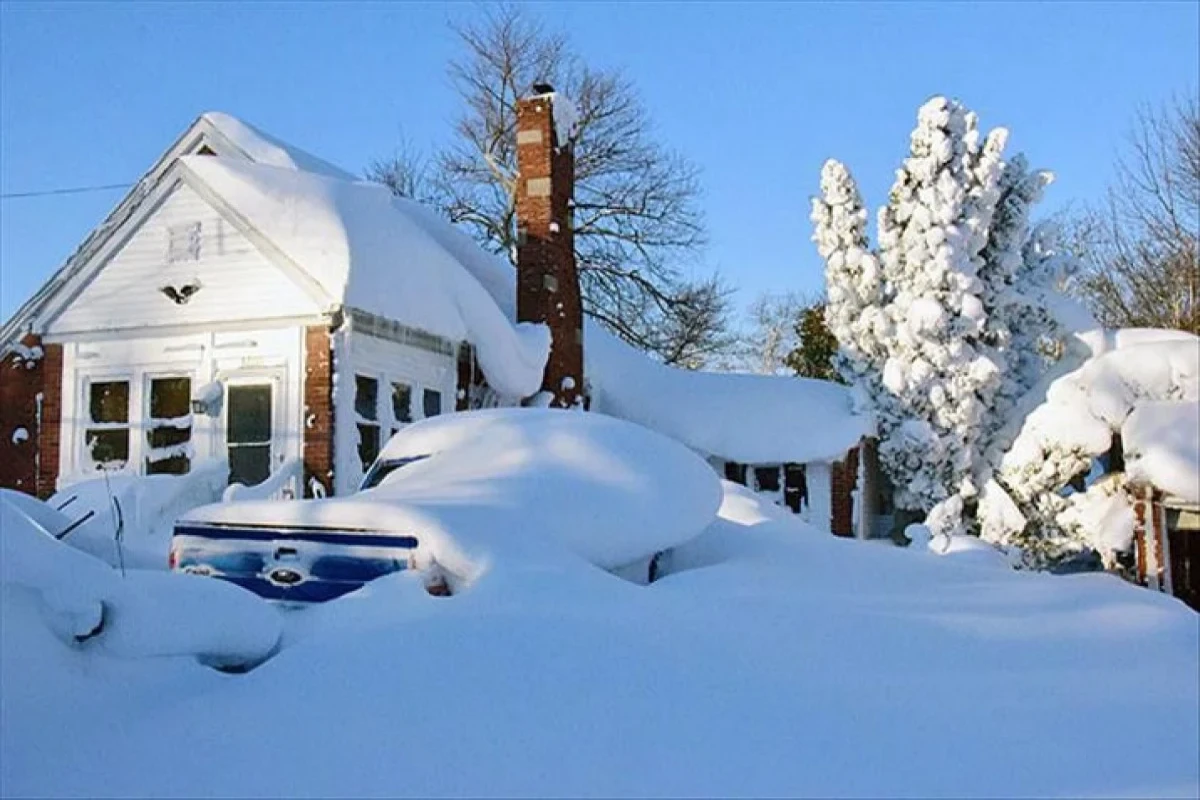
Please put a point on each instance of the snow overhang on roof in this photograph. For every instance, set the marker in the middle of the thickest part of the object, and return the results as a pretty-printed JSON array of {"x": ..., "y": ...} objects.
[
  {"x": 262, "y": 148},
  {"x": 370, "y": 251}
]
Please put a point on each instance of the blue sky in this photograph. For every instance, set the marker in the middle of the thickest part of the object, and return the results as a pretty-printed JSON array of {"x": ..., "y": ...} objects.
[{"x": 757, "y": 95}]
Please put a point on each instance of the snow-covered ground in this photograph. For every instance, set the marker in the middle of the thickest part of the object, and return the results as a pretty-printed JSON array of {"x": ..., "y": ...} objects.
[{"x": 772, "y": 660}]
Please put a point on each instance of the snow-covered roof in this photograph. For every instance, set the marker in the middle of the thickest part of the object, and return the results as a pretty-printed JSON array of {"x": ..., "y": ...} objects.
[
  {"x": 262, "y": 148},
  {"x": 223, "y": 134},
  {"x": 752, "y": 419},
  {"x": 371, "y": 251},
  {"x": 1162, "y": 447},
  {"x": 1142, "y": 383}
]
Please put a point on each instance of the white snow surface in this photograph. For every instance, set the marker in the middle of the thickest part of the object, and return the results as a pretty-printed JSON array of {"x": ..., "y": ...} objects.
[
  {"x": 385, "y": 255},
  {"x": 91, "y": 607},
  {"x": 149, "y": 506},
  {"x": 1162, "y": 447},
  {"x": 501, "y": 484},
  {"x": 263, "y": 148},
  {"x": 772, "y": 660}
]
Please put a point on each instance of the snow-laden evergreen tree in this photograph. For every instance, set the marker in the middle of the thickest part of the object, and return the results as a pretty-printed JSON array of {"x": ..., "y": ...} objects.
[
  {"x": 854, "y": 311},
  {"x": 954, "y": 319},
  {"x": 932, "y": 234}
]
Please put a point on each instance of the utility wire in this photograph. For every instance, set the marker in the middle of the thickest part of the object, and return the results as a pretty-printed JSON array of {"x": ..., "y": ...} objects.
[{"x": 71, "y": 190}]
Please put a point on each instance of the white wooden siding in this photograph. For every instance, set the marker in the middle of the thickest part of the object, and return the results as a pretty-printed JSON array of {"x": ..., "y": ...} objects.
[
  {"x": 254, "y": 355},
  {"x": 387, "y": 362},
  {"x": 237, "y": 282}
]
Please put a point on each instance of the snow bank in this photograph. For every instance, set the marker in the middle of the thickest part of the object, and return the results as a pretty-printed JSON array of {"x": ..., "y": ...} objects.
[
  {"x": 372, "y": 251},
  {"x": 504, "y": 484},
  {"x": 1162, "y": 447},
  {"x": 138, "y": 615},
  {"x": 149, "y": 506},
  {"x": 785, "y": 662},
  {"x": 262, "y": 148}
]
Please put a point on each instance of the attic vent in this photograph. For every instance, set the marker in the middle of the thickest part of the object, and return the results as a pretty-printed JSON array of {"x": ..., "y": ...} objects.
[
  {"x": 183, "y": 243},
  {"x": 205, "y": 150}
]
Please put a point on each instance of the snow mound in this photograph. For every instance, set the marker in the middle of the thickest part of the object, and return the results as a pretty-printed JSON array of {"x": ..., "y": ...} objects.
[
  {"x": 138, "y": 615},
  {"x": 263, "y": 148},
  {"x": 1162, "y": 447},
  {"x": 380, "y": 254},
  {"x": 149, "y": 506},
  {"x": 512, "y": 485}
]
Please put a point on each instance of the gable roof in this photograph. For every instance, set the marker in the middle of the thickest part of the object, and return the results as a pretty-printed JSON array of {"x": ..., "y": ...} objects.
[
  {"x": 218, "y": 132},
  {"x": 371, "y": 251}
]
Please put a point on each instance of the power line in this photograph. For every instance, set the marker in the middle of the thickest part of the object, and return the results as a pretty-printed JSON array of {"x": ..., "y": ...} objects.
[{"x": 71, "y": 190}]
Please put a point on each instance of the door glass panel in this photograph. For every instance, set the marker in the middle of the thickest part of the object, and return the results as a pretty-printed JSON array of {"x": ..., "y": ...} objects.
[
  {"x": 248, "y": 433},
  {"x": 170, "y": 426},
  {"x": 432, "y": 401}
]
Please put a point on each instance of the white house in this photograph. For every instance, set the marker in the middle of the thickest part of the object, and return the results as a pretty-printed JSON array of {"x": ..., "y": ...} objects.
[{"x": 250, "y": 301}]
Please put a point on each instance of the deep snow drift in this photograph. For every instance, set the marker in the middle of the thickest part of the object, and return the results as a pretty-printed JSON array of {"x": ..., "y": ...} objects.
[{"x": 772, "y": 660}]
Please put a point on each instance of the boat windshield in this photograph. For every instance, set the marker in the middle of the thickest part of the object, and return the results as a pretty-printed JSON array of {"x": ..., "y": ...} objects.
[{"x": 384, "y": 467}]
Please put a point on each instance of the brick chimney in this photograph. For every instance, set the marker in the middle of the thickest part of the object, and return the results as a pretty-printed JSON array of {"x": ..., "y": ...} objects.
[{"x": 547, "y": 281}]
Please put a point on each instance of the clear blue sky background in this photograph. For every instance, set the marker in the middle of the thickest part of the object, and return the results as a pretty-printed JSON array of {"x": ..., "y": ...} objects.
[{"x": 757, "y": 95}]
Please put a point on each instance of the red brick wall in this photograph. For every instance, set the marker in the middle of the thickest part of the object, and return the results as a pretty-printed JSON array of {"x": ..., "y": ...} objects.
[
  {"x": 318, "y": 409},
  {"x": 842, "y": 480},
  {"x": 21, "y": 380},
  {"x": 49, "y": 435},
  {"x": 547, "y": 281}
]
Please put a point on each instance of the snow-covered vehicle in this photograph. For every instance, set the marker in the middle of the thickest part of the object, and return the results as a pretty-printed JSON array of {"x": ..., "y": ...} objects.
[{"x": 449, "y": 496}]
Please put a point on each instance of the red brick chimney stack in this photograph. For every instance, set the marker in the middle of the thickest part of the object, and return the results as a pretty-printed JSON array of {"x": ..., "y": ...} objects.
[{"x": 547, "y": 281}]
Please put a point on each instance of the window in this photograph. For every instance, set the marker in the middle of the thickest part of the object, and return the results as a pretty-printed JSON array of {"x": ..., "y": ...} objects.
[
  {"x": 366, "y": 409},
  {"x": 169, "y": 429},
  {"x": 766, "y": 479},
  {"x": 401, "y": 405},
  {"x": 735, "y": 472},
  {"x": 248, "y": 433},
  {"x": 106, "y": 438},
  {"x": 432, "y": 402},
  {"x": 183, "y": 243}
]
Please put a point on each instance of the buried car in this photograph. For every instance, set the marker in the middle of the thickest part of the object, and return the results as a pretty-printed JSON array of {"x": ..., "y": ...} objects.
[{"x": 449, "y": 496}]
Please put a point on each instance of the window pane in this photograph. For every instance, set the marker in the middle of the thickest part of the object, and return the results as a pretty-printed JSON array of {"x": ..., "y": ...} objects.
[
  {"x": 767, "y": 478},
  {"x": 432, "y": 402},
  {"x": 366, "y": 397},
  {"x": 249, "y": 464},
  {"x": 402, "y": 402},
  {"x": 176, "y": 465},
  {"x": 108, "y": 446},
  {"x": 166, "y": 436},
  {"x": 109, "y": 401},
  {"x": 368, "y": 444},
  {"x": 249, "y": 415},
  {"x": 170, "y": 398}
]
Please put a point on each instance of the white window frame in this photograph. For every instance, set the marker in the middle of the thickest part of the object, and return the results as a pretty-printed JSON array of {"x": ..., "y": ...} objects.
[
  {"x": 83, "y": 456},
  {"x": 148, "y": 376}
]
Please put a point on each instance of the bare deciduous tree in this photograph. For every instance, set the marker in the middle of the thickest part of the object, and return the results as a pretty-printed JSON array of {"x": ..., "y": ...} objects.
[
  {"x": 1141, "y": 252},
  {"x": 636, "y": 217}
]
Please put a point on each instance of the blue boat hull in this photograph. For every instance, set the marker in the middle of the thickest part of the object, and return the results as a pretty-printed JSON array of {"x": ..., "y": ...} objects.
[{"x": 290, "y": 564}]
